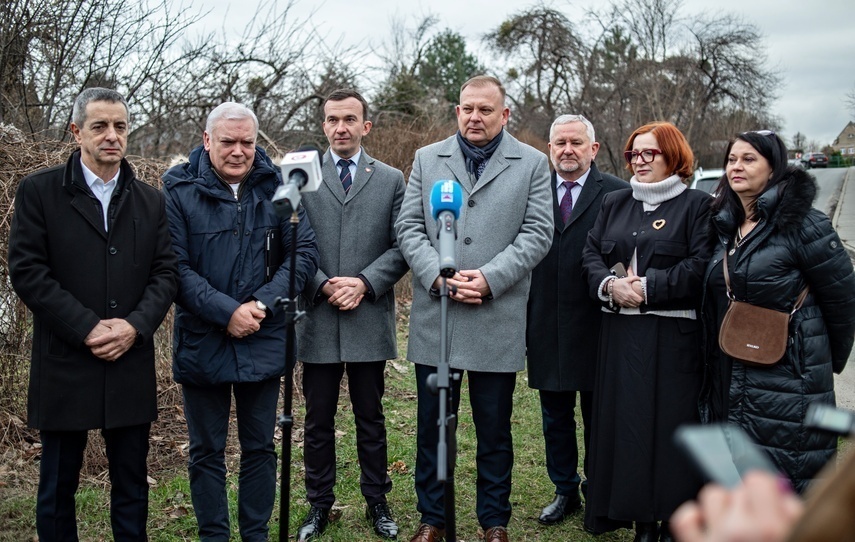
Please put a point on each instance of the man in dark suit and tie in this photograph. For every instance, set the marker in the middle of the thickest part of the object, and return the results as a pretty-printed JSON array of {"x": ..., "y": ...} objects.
[
  {"x": 563, "y": 321},
  {"x": 351, "y": 311}
]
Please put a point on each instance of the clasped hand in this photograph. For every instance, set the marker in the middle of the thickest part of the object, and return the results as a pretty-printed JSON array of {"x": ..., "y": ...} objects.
[
  {"x": 246, "y": 320},
  {"x": 344, "y": 292},
  {"x": 627, "y": 292},
  {"x": 111, "y": 338},
  {"x": 466, "y": 286}
]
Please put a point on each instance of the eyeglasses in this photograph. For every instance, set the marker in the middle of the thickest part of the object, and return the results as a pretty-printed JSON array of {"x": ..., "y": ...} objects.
[
  {"x": 763, "y": 133},
  {"x": 647, "y": 155}
]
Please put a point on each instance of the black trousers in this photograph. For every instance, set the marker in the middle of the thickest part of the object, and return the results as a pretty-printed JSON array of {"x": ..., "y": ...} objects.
[
  {"x": 559, "y": 433},
  {"x": 321, "y": 384},
  {"x": 59, "y": 476},
  {"x": 491, "y": 399}
]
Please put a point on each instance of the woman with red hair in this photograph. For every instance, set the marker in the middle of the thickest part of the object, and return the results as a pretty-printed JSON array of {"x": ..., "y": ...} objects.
[{"x": 644, "y": 260}]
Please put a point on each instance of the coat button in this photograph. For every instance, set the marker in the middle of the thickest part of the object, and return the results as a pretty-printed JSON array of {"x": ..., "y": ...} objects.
[
  {"x": 471, "y": 203},
  {"x": 834, "y": 244},
  {"x": 246, "y": 233},
  {"x": 468, "y": 240},
  {"x": 113, "y": 304},
  {"x": 235, "y": 232},
  {"x": 113, "y": 250},
  {"x": 634, "y": 234}
]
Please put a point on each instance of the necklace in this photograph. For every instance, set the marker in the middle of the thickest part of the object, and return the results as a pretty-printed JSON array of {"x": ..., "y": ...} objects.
[{"x": 740, "y": 238}]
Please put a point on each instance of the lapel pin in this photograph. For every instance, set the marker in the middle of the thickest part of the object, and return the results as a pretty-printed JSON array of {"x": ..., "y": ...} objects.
[{"x": 659, "y": 224}]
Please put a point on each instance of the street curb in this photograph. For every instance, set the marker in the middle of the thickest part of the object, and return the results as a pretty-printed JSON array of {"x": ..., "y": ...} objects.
[{"x": 839, "y": 209}]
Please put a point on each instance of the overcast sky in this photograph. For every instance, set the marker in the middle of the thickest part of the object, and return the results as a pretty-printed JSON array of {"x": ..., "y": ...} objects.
[{"x": 811, "y": 44}]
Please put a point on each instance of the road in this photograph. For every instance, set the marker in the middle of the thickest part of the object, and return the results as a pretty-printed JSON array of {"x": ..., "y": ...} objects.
[{"x": 830, "y": 182}]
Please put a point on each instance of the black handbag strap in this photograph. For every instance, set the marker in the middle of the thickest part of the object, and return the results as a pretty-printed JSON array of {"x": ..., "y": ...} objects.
[{"x": 799, "y": 300}]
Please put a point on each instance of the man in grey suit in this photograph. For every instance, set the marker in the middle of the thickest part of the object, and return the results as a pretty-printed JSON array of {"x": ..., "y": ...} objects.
[
  {"x": 351, "y": 311},
  {"x": 504, "y": 230},
  {"x": 563, "y": 321}
]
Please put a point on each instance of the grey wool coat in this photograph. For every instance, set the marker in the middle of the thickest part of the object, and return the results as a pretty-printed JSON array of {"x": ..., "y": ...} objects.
[
  {"x": 356, "y": 236},
  {"x": 504, "y": 230}
]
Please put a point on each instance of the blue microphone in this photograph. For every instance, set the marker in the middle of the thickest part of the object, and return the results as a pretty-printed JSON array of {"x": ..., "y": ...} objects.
[{"x": 446, "y": 198}]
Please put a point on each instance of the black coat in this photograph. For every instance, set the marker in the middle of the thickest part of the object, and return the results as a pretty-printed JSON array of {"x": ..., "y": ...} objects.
[
  {"x": 71, "y": 274},
  {"x": 672, "y": 256},
  {"x": 563, "y": 321},
  {"x": 793, "y": 245}
]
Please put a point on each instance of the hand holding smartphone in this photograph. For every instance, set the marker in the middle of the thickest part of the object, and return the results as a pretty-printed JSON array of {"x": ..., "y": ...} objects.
[
  {"x": 723, "y": 452},
  {"x": 619, "y": 270}
]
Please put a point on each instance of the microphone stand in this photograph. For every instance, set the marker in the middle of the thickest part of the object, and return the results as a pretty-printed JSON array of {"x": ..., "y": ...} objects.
[
  {"x": 446, "y": 449},
  {"x": 286, "y": 419}
]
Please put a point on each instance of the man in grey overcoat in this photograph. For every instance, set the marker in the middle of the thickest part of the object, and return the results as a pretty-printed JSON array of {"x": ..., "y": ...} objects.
[
  {"x": 504, "y": 230},
  {"x": 350, "y": 305},
  {"x": 563, "y": 320}
]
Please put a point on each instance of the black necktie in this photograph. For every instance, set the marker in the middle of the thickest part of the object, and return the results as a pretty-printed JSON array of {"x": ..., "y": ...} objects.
[{"x": 344, "y": 174}]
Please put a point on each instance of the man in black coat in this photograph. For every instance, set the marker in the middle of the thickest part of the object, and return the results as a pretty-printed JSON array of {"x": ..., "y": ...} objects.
[
  {"x": 90, "y": 255},
  {"x": 563, "y": 321}
]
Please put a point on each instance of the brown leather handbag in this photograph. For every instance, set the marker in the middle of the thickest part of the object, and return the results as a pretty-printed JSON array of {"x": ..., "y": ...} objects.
[{"x": 751, "y": 334}]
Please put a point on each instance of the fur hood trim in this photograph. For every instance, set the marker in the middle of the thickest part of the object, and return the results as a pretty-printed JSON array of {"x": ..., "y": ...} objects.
[{"x": 788, "y": 206}]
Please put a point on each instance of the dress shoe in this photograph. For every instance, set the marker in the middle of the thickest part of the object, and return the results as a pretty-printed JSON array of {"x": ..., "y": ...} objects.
[
  {"x": 428, "y": 533},
  {"x": 561, "y": 507},
  {"x": 314, "y": 525},
  {"x": 381, "y": 518},
  {"x": 496, "y": 534},
  {"x": 645, "y": 532},
  {"x": 665, "y": 533}
]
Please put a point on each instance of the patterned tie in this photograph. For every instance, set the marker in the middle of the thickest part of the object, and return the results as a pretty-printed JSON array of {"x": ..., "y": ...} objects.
[
  {"x": 344, "y": 174},
  {"x": 566, "y": 205}
]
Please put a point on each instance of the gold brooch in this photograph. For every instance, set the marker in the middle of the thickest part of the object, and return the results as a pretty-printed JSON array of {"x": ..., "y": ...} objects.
[{"x": 659, "y": 224}]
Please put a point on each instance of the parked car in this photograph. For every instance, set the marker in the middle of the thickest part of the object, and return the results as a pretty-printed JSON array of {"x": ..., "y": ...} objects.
[
  {"x": 814, "y": 159},
  {"x": 706, "y": 179}
]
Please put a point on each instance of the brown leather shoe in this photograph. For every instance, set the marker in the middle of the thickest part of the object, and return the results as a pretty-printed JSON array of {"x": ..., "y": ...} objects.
[
  {"x": 496, "y": 534},
  {"x": 428, "y": 533}
]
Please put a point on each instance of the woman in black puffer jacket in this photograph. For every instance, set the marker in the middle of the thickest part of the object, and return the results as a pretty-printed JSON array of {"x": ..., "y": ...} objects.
[{"x": 777, "y": 243}]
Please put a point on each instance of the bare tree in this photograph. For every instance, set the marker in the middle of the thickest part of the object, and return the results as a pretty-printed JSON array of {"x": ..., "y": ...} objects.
[
  {"x": 637, "y": 62},
  {"x": 850, "y": 100},
  {"x": 52, "y": 50}
]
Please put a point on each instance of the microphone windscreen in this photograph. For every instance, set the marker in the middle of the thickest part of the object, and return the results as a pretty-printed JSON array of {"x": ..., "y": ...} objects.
[{"x": 446, "y": 196}]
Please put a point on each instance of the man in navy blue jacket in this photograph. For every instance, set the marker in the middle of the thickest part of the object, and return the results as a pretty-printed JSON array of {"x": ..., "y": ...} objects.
[{"x": 229, "y": 332}]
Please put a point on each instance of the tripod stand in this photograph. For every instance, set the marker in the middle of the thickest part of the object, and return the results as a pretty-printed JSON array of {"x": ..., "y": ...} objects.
[
  {"x": 286, "y": 419},
  {"x": 440, "y": 383}
]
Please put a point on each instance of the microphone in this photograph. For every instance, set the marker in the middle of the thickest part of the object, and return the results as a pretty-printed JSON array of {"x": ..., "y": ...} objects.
[
  {"x": 446, "y": 198},
  {"x": 301, "y": 172}
]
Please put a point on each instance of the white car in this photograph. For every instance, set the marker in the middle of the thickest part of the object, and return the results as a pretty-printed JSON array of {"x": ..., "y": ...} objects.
[{"x": 706, "y": 179}]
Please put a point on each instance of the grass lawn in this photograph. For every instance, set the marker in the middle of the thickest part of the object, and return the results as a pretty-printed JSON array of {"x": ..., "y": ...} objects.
[{"x": 171, "y": 512}]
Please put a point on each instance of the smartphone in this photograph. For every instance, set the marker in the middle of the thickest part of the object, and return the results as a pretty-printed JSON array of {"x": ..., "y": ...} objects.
[
  {"x": 618, "y": 270},
  {"x": 828, "y": 418},
  {"x": 722, "y": 452}
]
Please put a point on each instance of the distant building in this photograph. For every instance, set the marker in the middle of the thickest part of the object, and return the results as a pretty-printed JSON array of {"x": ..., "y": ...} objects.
[{"x": 845, "y": 142}]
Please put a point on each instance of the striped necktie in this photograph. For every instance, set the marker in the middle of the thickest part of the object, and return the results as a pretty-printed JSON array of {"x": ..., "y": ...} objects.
[{"x": 344, "y": 174}]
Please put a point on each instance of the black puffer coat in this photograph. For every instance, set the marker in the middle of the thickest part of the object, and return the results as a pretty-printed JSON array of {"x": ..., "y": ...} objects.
[{"x": 792, "y": 245}]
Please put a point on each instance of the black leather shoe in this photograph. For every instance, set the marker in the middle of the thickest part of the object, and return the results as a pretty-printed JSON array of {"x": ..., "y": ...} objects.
[
  {"x": 381, "y": 518},
  {"x": 645, "y": 532},
  {"x": 314, "y": 525},
  {"x": 665, "y": 533},
  {"x": 560, "y": 508}
]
